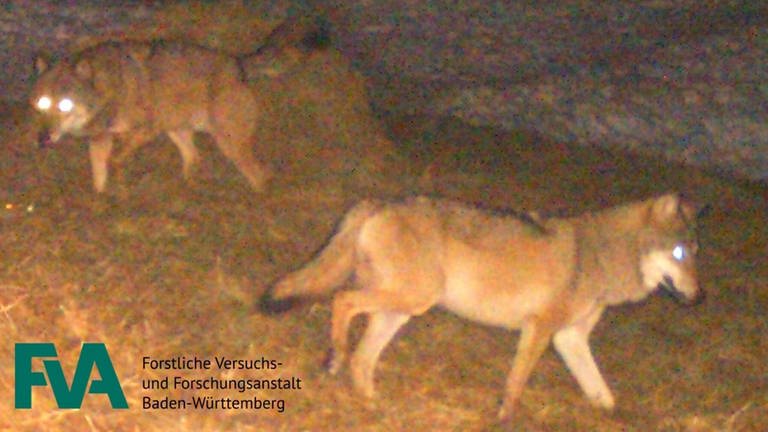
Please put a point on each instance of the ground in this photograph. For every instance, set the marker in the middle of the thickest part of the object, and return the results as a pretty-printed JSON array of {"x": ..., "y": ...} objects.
[{"x": 175, "y": 269}]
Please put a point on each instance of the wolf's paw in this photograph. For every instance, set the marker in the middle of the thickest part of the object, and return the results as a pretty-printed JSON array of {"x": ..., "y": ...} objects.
[
  {"x": 363, "y": 384},
  {"x": 506, "y": 411},
  {"x": 603, "y": 400},
  {"x": 269, "y": 305}
]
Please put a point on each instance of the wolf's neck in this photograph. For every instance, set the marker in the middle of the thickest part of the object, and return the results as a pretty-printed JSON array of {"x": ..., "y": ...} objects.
[{"x": 608, "y": 254}]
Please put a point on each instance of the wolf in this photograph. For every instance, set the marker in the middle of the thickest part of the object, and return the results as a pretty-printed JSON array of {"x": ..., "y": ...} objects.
[
  {"x": 132, "y": 92},
  {"x": 551, "y": 278},
  {"x": 129, "y": 92}
]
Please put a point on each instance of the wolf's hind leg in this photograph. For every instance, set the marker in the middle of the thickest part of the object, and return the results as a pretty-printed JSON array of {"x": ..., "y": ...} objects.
[
  {"x": 238, "y": 150},
  {"x": 382, "y": 327},
  {"x": 534, "y": 339},
  {"x": 233, "y": 125},
  {"x": 185, "y": 142},
  {"x": 388, "y": 310}
]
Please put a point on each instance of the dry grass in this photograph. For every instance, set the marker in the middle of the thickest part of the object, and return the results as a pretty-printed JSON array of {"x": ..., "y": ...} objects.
[{"x": 174, "y": 270}]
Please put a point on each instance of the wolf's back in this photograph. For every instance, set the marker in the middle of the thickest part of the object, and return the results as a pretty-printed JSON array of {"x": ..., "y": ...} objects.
[{"x": 332, "y": 266}]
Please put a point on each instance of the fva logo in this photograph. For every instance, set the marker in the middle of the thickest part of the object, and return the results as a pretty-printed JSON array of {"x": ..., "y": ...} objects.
[{"x": 92, "y": 355}]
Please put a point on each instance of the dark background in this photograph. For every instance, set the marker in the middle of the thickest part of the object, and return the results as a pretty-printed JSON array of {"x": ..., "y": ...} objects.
[{"x": 685, "y": 79}]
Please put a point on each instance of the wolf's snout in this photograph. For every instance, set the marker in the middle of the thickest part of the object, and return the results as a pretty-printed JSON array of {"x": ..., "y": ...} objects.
[
  {"x": 689, "y": 299},
  {"x": 697, "y": 298}
]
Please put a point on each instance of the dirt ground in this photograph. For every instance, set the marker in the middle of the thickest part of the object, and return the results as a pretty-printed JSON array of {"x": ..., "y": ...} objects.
[{"x": 174, "y": 269}]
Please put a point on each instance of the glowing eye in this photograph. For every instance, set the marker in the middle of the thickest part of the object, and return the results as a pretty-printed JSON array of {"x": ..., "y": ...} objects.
[
  {"x": 44, "y": 103},
  {"x": 678, "y": 253},
  {"x": 66, "y": 105}
]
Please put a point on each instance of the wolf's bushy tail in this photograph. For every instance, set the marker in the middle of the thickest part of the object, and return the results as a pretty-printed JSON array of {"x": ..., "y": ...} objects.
[{"x": 332, "y": 266}]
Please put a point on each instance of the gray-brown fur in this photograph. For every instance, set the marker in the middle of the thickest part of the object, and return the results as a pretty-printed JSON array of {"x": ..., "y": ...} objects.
[{"x": 549, "y": 278}]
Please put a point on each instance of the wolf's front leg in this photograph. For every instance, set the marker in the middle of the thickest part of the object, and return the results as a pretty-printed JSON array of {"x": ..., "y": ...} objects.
[
  {"x": 382, "y": 327},
  {"x": 100, "y": 149},
  {"x": 572, "y": 343}
]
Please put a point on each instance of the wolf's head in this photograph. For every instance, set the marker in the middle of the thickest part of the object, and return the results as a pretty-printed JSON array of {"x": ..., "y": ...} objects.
[
  {"x": 64, "y": 95},
  {"x": 670, "y": 244}
]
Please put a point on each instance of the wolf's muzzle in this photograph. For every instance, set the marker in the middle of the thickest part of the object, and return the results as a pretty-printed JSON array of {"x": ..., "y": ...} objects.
[{"x": 670, "y": 288}]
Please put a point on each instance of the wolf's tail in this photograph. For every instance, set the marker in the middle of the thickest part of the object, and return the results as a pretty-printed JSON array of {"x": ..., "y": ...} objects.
[{"x": 332, "y": 266}]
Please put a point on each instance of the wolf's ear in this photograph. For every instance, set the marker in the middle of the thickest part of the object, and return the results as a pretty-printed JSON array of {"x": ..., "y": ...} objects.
[
  {"x": 42, "y": 62},
  {"x": 84, "y": 70},
  {"x": 140, "y": 54},
  {"x": 665, "y": 207}
]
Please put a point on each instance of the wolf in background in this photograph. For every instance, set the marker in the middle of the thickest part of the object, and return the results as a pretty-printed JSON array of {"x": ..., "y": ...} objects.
[
  {"x": 129, "y": 92},
  {"x": 550, "y": 278}
]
